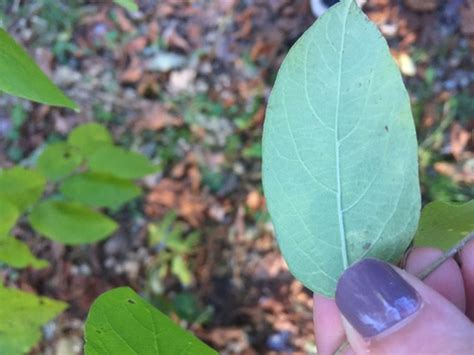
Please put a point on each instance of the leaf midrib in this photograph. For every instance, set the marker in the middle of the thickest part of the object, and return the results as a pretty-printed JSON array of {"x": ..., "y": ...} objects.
[{"x": 342, "y": 234}]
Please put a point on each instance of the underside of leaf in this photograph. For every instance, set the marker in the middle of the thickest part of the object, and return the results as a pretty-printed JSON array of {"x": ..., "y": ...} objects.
[{"x": 340, "y": 169}]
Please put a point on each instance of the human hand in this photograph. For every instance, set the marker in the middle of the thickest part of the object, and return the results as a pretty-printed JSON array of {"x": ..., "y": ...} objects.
[{"x": 382, "y": 309}]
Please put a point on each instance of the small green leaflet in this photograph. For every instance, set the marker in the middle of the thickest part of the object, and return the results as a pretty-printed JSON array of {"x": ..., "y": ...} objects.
[
  {"x": 120, "y": 163},
  {"x": 58, "y": 160},
  {"x": 120, "y": 322},
  {"x": 16, "y": 254},
  {"x": 70, "y": 223},
  {"x": 21, "y": 187},
  {"x": 99, "y": 190},
  {"x": 89, "y": 137},
  {"x": 442, "y": 224},
  {"x": 340, "y": 169},
  {"x": 8, "y": 216},
  {"x": 130, "y": 5},
  {"x": 22, "y": 314},
  {"x": 180, "y": 269},
  {"x": 20, "y": 76}
]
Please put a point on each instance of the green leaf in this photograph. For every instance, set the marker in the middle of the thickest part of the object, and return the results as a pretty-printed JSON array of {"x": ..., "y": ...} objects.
[
  {"x": 17, "y": 254},
  {"x": 20, "y": 76},
  {"x": 99, "y": 190},
  {"x": 254, "y": 151},
  {"x": 21, "y": 187},
  {"x": 58, "y": 160},
  {"x": 129, "y": 5},
  {"x": 180, "y": 269},
  {"x": 22, "y": 315},
  {"x": 121, "y": 163},
  {"x": 120, "y": 322},
  {"x": 442, "y": 224},
  {"x": 70, "y": 223},
  {"x": 89, "y": 137},
  {"x": 8, "y": 216},
  {"x": 340, "y": 169}
]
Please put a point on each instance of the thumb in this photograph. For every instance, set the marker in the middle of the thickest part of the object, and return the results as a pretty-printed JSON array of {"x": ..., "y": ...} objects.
[{"x": 388, "y": 311}]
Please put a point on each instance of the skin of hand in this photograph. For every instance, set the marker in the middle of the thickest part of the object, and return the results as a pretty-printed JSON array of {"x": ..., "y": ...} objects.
[{"x": 382, "y": 309}]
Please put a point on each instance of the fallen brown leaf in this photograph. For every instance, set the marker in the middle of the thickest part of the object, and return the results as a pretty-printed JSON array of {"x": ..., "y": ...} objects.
[
  {"x": 136, "y": 45},
  {"x": 133, "y": 73},
  {"x": 174, "y": 39},
  {"x": 153, "y": 31},
  {"x": 461, "y": 173},
  {"x": 195, "y": 178},
  {"x": 156, "y": 117},
  {"x": 467, "y": 18},
  {"x": 177, "y": 195},
  {"x": 223, "y": 337},
  {"x": 149, "y": 85},
  {"x": 123, "y": 22},
  {"x": 165, "y": 193},
  {"x": 422, "y": 5},
  {"x": 459, "y": 137},
  {"x": 254, "y": 200},
  {"x": 192, "y": 208}
]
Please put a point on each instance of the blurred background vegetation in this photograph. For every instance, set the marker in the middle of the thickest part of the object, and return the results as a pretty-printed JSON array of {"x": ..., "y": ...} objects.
[{"x": 186, "y": 83}]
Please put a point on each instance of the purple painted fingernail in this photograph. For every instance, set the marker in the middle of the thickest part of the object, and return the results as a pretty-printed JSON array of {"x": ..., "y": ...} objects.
[{"x": 373, "y": 297}]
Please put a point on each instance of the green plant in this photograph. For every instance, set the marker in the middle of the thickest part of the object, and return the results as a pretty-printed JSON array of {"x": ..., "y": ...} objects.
[
  {"x": 443, "y": 224},
  {"x": 21, "y": 313},
  {"x": 130, "y": 5},
  {"x": 79, "y": 176},
  {"x": 62, "y": 196},
  {"x": 340, "y": 169},
  {"x": 21, "y": 316},
  {"x": 20, "y": 76},
  {"x": 120, "y": 322},
  {"x": 173, "y": 244}
]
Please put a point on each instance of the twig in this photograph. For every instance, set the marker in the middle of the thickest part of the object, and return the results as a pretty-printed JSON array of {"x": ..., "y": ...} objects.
[
  {"x": 341, "y": 347},
  {"x": 449, "y": 254},
  {"x": 425, "y": 273}
]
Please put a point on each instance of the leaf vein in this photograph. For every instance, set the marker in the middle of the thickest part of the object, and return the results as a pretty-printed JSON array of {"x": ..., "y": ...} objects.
[
  {"x": 340, "y": 216},
  {"x": 310, "y": 104},
  {"x": 297, "y": 150}
]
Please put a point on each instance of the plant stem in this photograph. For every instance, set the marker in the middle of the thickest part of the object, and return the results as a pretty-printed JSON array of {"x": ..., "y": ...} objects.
[
  {"x": 449, "y": 254},
  {"x": 425, "y": 273},
  {"x": 341, "y": 347}
]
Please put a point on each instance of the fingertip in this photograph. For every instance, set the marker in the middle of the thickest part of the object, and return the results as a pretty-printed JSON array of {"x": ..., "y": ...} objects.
[
  {"x": 467, "y": 269},
  {"x": 387, "y": 310},
  {"x": 447, "y": 279},
  {"x": 328, "y": 328}
]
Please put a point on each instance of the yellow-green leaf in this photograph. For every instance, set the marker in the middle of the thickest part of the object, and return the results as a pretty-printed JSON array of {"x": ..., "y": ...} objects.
[
  {"x": 22, "y": 315},
  {"x": 8, "y": 216},
  {"x": 17, "y": 254},
  {"x": 120, "y": 163},
  {"x": 130, "y": 5},
  {"x": 121, "y": 322},
  {"x": 21, "y": 187},
  {"x": 70, "y": 223},
  {"x": 180, "y": 269},
  {"x": 443, "y": 224},
  {"x": 89, "y": 137},
  {"x": 58, "y": 160},
  {"x": 99, "y": 190},
  {"x": 21, "y": 76}
]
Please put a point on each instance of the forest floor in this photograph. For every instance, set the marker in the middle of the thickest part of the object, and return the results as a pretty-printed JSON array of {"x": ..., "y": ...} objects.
[{"x": 186, "y": 83}]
